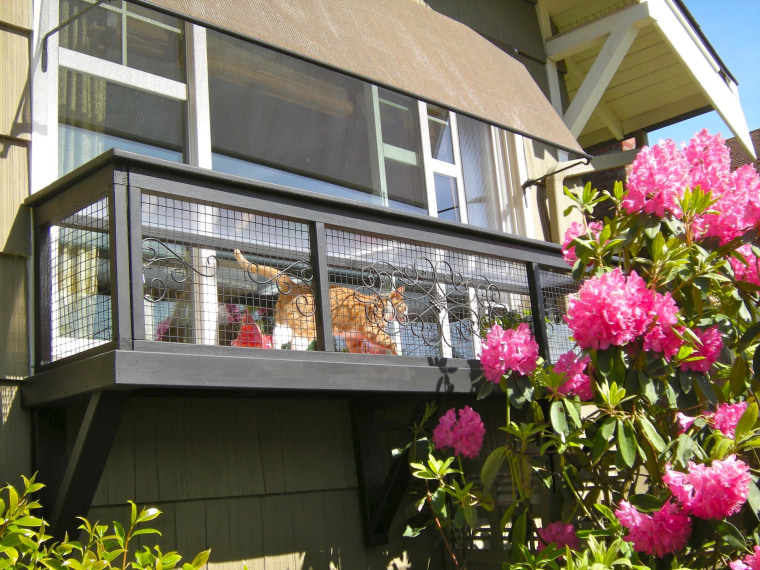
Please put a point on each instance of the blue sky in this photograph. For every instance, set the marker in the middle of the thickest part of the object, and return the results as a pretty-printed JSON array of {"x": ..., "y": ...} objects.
[{"x": 733, "y": 28}]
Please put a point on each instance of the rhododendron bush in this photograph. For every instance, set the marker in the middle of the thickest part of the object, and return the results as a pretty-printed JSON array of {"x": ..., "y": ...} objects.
[{"x": 637, "y": 447}]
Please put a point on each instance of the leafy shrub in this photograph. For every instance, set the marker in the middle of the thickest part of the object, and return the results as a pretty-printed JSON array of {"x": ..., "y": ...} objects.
[{"x": 25, "y": 544}]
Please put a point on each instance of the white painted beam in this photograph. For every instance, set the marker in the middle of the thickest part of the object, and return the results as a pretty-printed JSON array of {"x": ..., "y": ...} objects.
[
  {"x": 552, "y": 75},
  {"x": 575, "y": 41},
  {"x": 721, "y": 92},
  {"x": 599, "y": 76},
  {"x": 607, "y": 115}
]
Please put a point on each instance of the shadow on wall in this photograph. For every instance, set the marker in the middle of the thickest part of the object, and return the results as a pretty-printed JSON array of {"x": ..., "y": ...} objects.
[{"x": 15, "y": 458}]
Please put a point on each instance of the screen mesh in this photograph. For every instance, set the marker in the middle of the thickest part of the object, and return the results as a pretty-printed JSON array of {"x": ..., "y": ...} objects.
[
  {"x": 79, "y": 281},
  {"x": 557, "y": 288},
  {"x": 229, "y": 277}
]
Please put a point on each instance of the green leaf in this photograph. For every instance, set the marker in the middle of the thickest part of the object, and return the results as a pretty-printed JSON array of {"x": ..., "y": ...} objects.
[
  {"x": 470, "y": 515},
  {"x": 519, "y": 532},
  {"x": 705, "y": 387},
  {"x": 645, "y": 503},
  {"x": 602, "y": 438},
  {"x": 753, "y": 498},
  {"x": 485, "y": 389},
  {"x": 746, "y": 422},
  {"x": 491, "y": 467},
  {"x": 557, "y": 416},
  {"x": 572, "y": 411},
  {"x": 651, "y": 434},
  {"x": 604, "y": 362},
  {"x": 738, "y": 377},
  {"x": 626, "y": 442},
  {"x": 148, "y": 515},
  {"x": 731, "y": 535},
  {"x": 438, "y": 500},
  {"x": 748, "y": 337},
  {"x": 685, "y": 450}
]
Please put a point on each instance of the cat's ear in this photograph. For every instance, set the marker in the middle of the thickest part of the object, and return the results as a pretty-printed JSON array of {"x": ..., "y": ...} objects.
[{"x": 400, "y": 290}]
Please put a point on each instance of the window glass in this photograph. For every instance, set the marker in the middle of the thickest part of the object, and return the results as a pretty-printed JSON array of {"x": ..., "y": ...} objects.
[
  {"x": 277, "y": 118},
  {"x": 446, "y": 197},
  {"x": 282, "y": 112},
  {"x": 154, "y": 42},
  {"x": 406, "y": 186},
  {"x": 95, "y": 115},
  {"x": 479, "y": 173},
  {"x": 440, "y": 134},
  {"x": 263, "y": 173},
  {"x": 398, "y": 119}
]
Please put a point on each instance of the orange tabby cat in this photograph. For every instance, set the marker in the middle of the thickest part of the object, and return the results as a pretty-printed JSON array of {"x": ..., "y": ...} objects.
[{"x": 354, "y": 314}]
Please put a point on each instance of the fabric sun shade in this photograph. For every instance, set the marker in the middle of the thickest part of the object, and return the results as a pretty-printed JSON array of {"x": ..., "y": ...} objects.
[{"x": 398, "y": 44}]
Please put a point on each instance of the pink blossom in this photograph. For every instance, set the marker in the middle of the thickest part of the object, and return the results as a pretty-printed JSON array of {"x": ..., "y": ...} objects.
[
  {"x": 661, "y": 336},
  {"x": 610, "y": 310},
  {"x": 511, "y": 349},
  {"x": 727, "y": 416},
  {"x": 709, "y": 163},
  {"x": 709, "y": 350},
  {"x": 660, "y": 533},
  {"x": 684, "y": 422},
  {"x": 659, "y": 175},
  {"x": 576, "y": 229},
  {"x": 750, "y": 271},
  {"x": 561, "y": 534},
  {"x": 749, "y": 562},
  {"x": 712, "y": 492},
  {"x": 576, "y": 381},
  {"x": 465, "y": 434}
]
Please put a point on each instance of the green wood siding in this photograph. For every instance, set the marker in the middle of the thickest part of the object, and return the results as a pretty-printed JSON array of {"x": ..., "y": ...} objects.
[{"x": 268, "y": 482}]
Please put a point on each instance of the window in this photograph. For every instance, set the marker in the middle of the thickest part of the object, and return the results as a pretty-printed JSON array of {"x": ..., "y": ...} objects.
[
  {"x": 128, "y": 77},
  {"x": 120, "y": 82}
]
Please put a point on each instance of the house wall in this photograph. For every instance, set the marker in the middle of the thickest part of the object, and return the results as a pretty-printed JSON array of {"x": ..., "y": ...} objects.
[
  {"x": 15, "y": 34},
  {"x": 268, "y": 482}
]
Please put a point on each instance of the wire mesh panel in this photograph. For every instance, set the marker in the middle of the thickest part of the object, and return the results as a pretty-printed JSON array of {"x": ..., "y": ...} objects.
[
  {"x": 397, "y": 297},
  {"x": 557, "y": 288},
  {"x": 227, "y": 277},
  {"x": 78, "y": 284}
]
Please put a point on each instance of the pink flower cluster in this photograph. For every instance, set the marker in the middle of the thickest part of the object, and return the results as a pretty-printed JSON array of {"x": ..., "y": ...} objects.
[
  {"x": 511, "y": 349},
  {"x": 561, "y": 534},
  {"x": 660, "y": 533},
  {"x": 614, "y": 309},
  {"x": 724, "y": 419},
  {"x": 711, "y": 492},
  {"x": 577, "y": 382},
  {"x": 660, "y": 175},
  {"x": 710, "y": 349},
  {"x": 727, "y": 416},
  {"x": 658, "y": 178},
  {"x": 575, "y": 230},
  {"x": 750, "y": 271},
  {"x": 465, "y": 434},
  {"x": 749, "y": 562}
]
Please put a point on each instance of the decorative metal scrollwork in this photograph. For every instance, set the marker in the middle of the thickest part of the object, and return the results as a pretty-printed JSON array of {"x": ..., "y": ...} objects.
[
  {"x": 158, "y": 253},
  {"x": 294, "y": 281},
  {"x": 438, "y": 295}
]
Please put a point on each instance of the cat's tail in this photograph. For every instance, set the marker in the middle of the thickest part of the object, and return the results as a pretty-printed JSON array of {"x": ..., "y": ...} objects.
[{"x": 265, "y": 271}]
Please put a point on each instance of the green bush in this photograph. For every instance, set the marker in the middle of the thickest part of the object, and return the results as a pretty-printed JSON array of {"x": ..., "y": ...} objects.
[{"x": 25, "y": 544}]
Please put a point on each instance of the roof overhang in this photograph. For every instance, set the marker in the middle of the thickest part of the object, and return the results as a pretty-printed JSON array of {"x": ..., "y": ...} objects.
[
  {"x": 398, "y": 44},
  {"x": 635, "y": 65}
]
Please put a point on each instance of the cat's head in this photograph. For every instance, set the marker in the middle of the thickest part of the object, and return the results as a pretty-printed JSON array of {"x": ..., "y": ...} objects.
[{"x": 398, "y": 308}]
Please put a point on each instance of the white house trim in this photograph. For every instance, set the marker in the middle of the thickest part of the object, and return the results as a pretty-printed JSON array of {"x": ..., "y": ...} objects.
[
  {"x": 720, "y": 90},
  {"x": 599, "y": 76}
]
